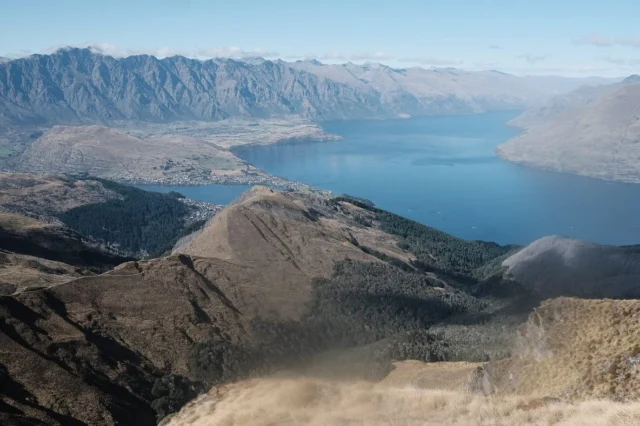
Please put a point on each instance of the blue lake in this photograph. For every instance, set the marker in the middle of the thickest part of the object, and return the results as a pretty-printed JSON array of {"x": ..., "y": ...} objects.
[
  {"x": 442, "y": 171},
  {"x": 219, "y": 194}
]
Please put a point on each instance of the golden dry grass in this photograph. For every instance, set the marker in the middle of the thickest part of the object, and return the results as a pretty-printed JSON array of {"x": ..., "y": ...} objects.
[
  {"x": 577, "y": 349},
  {"x": 297, "y": 402},
  {"x": 576, "y": 363}
]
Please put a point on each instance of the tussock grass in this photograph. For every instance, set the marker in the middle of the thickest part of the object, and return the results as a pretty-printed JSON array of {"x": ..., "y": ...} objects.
[{"x": 311, "y": 402}]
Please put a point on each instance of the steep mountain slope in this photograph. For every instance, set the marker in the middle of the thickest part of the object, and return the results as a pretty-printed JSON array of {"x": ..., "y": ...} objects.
[
  {"x": 595, "y": 134},
  {"x": 578, "y": 98},
  {"x": 75, "y": 86},
  {"x": 581, "y": 97},
  {"x": 92, "y": 350}
]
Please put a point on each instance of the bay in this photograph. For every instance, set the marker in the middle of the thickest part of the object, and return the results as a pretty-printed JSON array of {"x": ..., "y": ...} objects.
[{"x": 442, "y": 171}]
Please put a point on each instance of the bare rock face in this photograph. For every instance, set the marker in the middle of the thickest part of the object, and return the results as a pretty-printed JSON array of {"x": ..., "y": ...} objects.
[{"x": 591, "y": 132}]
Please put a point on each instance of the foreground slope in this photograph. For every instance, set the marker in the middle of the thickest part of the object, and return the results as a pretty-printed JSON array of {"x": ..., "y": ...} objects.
[
  {"x": 277, "y": 282},
  {"x": 596, "y": 135},
  {"x": 574, "y": 364},
  {"x": 101, "y": 349},
  {"x": 90, "y": 351}
]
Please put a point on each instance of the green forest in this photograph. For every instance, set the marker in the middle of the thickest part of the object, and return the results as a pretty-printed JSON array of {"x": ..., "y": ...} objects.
[
  {"x": 366, "y": 316},
  {"x": 140, "y": 222},
  {"x": 435, "y": 250}
]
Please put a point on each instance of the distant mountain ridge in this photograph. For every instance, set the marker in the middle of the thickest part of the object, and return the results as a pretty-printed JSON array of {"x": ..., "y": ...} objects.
[
  {"x": 593, "y": 131},
  {"x": 79, "y": 86}
]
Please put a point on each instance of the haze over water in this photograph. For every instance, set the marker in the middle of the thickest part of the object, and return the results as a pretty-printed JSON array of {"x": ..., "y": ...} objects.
[{"x": 442, "y": 171}]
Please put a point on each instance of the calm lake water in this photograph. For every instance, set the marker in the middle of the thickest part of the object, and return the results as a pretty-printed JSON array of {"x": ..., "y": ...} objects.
[
  {"x": 219, "y": 194},
  {"x": 442, "y": 171}
]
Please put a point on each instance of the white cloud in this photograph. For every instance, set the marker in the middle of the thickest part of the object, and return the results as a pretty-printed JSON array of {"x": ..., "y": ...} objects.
[
  {"x": 234, "y": 52},
  {"x": 625, "y": 62},
  {"x": 533, "y": 59},
  {"x": 163, "y": 52},
  {"x": 604, "y": 41},
  {"x": 629, "y": 41},
  {"x": 336, "y": 56},
  {"x": 427, "y": 60},
  {"x": 595, "y": 40},
  {"x": 494, "y": 47}
]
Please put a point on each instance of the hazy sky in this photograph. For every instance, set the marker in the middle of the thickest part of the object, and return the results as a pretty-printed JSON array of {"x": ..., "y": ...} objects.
[{"x": 569, "y": 37}]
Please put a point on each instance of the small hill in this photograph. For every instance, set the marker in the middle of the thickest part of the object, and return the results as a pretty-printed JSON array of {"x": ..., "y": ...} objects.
[
  {"x": 45, "y": 196},
  {"x": 124, "y": 219},
  {"x": 594, "y": 133},
  {"x": 283, "y": 240},
  {"x": 106, "y": 153},
  {"x": 554, "y": 266}
]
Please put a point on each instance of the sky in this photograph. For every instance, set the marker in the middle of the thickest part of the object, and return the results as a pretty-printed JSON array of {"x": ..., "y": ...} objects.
[{"x": 561, "y": 37}]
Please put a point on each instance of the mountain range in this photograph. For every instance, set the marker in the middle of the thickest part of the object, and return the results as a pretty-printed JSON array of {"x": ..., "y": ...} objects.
[{"x": 78, "y": 86}]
